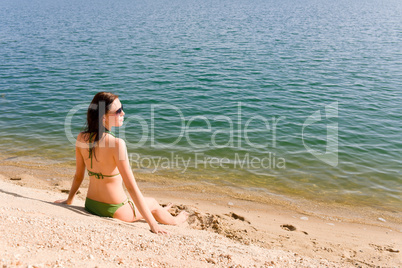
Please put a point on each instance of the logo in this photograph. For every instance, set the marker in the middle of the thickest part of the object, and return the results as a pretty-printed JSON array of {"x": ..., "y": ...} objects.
[{"x": 330, "y": 156}]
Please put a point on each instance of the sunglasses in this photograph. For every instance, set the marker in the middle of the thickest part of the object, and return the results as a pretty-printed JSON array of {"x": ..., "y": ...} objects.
[{"x": 120, "y": 110}]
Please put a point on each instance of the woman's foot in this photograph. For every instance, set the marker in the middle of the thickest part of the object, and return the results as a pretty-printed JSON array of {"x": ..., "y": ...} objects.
[
  {"x": 168, "y": 206},
  {"x": 182, "y": 217}
]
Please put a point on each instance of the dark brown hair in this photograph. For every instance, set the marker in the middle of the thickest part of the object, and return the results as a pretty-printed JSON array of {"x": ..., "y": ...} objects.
[{"x": 100, "y": 105}]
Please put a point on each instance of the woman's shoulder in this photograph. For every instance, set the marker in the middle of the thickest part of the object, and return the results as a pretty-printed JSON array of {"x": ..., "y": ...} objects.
[
  {"x": 116, "y": 140},
  {"x": 82, "y": 135},
  {"x": 82, "y": 140},
  {"x": 85, "y": 137}
]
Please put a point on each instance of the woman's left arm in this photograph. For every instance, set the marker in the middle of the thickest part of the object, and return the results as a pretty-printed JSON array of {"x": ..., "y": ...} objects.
[{"x": 78, "y": 177}]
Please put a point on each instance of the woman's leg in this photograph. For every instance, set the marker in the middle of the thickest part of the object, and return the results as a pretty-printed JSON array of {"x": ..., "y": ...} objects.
[
  {"x": 126, "y": 213},
  {"x": 162, "y": 215}
]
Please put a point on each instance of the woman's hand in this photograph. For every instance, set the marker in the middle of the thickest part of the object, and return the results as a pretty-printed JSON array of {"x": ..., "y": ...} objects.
[
  {"x": 158, "y": 230},
  {"x": 62, "y": 201}
]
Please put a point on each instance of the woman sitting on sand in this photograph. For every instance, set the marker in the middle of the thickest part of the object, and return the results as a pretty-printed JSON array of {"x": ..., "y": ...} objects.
[{"x": 105, "y": 156}]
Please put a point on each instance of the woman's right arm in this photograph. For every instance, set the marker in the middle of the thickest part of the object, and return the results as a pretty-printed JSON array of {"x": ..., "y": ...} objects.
[
  {"x": 121, "y": 158},
  {"x": 78, "y": 177}
]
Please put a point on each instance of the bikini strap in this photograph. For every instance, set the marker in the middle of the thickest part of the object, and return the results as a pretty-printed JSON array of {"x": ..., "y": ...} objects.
[
  {"x": 132, "y": 205},
  {"x": 110, "y": 132},
  {"x": 100, "y": 175}
]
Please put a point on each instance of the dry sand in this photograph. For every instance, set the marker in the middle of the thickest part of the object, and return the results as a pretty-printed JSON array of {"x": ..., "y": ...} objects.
[{"x": 221, "y": 231}]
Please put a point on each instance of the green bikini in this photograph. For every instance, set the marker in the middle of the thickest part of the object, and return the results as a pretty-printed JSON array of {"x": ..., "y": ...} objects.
[
  {"x": 104, "y": 209},
  {"x": 100, "y": 208}
]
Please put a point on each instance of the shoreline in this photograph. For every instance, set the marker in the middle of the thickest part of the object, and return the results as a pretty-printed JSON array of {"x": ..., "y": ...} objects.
[
  {"x": 57, "y": 176},
  {"x": 344, "y": 235},
  {"x": 303, "y": 191}
]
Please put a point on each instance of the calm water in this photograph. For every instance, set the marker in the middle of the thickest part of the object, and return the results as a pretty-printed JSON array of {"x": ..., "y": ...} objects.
[{"x": 300, "y": 98}]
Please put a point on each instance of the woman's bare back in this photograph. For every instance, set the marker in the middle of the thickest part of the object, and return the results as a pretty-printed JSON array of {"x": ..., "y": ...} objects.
[{"x": 106, "y": 189}]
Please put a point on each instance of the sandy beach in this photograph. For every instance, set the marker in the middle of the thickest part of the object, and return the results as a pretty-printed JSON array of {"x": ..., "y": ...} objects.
[{"x": 222, "y": 230}]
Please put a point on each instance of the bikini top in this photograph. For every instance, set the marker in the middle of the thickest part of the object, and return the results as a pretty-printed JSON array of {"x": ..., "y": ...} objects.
[{"x": 98, "y": 175}]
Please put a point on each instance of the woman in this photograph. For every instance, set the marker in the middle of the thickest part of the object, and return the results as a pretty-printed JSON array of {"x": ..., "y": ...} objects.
[{"x": 105, "y": 156}]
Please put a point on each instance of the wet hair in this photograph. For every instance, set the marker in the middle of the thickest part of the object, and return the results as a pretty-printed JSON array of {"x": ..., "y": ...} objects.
[{"x": 100, "y": 105}]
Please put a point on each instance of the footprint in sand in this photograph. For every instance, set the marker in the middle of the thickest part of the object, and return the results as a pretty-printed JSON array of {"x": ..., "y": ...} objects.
[
  {"x": 288, "y": 227},
  {"x": 237, "y": 217}
]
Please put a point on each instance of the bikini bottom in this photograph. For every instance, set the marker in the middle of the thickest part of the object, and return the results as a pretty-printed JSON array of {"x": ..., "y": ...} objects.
[{"x": 105, "y": 209}]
